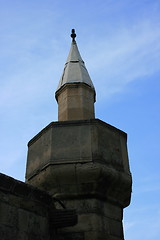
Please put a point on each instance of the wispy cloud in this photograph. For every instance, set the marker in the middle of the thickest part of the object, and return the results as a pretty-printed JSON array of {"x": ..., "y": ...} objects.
[{"x": 130, "y": 54}]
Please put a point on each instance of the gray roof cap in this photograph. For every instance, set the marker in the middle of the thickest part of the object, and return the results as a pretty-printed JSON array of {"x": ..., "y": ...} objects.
[{"x": 75, "y": 70}]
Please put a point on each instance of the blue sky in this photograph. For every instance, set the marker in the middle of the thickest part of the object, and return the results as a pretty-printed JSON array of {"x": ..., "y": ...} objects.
[{"x": 119, "y": 41}]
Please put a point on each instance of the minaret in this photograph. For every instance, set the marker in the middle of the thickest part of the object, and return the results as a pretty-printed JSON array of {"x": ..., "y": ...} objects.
[
  {"x": 75, "y": 93},
  {"x": 82, "y": 161}
]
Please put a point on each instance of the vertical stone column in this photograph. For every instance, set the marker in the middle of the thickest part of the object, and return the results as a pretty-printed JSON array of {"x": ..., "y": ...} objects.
[
  {"x": 85, "y": 165},
  {"x": 75, "y": 102}
]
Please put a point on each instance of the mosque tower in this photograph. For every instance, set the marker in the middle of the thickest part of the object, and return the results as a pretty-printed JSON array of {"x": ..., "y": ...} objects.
[{"x": 82, "y": 161}]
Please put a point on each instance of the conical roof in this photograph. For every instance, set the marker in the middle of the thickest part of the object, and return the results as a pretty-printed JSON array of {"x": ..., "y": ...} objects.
[{"x": 75, "y": 70}]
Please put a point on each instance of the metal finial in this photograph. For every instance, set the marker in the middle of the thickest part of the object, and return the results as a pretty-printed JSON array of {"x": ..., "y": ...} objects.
[{"x": 73, "y": 35}]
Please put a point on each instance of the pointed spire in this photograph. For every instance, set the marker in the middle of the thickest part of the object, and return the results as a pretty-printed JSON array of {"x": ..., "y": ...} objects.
[
  {"x": 75, "y": 70},
  {"x": 75, "y": 94}
]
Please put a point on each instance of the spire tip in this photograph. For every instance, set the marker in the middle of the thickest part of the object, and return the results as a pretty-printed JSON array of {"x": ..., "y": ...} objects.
[{"x": 73, "y": 35}]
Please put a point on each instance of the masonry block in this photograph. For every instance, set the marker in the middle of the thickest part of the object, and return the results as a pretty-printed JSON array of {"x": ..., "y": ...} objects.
[{"x": 85, "y": 165}]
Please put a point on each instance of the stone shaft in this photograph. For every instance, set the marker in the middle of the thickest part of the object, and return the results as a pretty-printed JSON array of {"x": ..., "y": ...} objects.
[
  {"x": 75, "y": 102},
  {"x": 85, "y": 165}
]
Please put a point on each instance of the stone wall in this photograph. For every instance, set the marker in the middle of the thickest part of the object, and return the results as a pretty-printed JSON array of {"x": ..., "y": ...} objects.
[{"x": 24, "y": 211}]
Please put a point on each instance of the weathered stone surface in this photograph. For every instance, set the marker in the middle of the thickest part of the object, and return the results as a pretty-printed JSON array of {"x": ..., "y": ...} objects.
[
  {"x": 116, "y": 228},
  {"x": 98, "y": 235},
  {"x": 97, "y": 219},
  {"x": 95, "y": 206},
  {"x": 71, "y": 236},
  {"x": 75, "y": 102},
  {"x": 28, "y": 213},
  {"x": 7, "y": 233},
  {"x": 24, "y": 211},
  {"x": 85, "y": 165},
  {"x": 77, "y": 141},
  {"x": 9, "y": 218}
]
